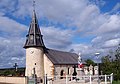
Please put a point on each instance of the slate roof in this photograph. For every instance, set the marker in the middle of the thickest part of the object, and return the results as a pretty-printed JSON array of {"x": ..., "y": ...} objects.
[
  {"x": 62, "y": 58},
  {"x": 34, "y": 37}
]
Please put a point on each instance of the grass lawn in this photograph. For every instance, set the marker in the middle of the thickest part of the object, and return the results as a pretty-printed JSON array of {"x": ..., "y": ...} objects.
[{"x": 116, "y": 82}]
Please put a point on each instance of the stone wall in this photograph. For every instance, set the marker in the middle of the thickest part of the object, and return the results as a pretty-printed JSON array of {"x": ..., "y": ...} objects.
[{"x": 13, "y": 80}]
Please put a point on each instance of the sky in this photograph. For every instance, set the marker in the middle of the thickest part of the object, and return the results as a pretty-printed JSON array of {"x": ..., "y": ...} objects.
[{"x": 79, "y": 26}]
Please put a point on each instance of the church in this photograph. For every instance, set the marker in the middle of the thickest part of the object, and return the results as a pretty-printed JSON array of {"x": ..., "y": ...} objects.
[{"x": 41, "y": 60}]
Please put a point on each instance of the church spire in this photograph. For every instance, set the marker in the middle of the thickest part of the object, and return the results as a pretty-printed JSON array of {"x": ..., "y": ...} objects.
[{"x": 34, "y": 36}]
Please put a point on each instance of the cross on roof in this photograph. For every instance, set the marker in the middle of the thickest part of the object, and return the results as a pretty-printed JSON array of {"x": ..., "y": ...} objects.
[{"x": 34, "y": 5}]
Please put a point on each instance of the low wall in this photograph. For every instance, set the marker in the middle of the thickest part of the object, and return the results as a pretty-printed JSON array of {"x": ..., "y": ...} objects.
[{"x": 13, "y": 80}]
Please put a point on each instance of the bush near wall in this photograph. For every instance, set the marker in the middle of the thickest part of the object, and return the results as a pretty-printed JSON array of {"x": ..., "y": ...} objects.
[{"x": 12, "y": 72}]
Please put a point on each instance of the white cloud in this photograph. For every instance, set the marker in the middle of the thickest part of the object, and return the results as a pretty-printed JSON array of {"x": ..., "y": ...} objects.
[
  {"x": 115, "y": 8},
  {"x": 80, "y": 48},
  {"x": 11, "y": 49},
  {"x": 11, "y": 28},
  {"x": 99, "y": 3},
  {"x": 97, "y": 39},
  {"x": 110, "y": 26},
  {"x": 7, "y": 6},
  {"x": 112, "y": 43},
  {"x": 57, "y": 38},
  {"x": 15, "y": 58},
  {"x": 24, "y": 8}
]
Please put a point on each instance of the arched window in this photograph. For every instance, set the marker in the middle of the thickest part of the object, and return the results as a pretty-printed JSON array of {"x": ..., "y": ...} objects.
[{"x": 61, "y": 74}]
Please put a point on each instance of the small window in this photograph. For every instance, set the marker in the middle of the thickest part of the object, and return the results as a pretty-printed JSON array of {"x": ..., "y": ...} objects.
[{"x": 68, "y": 71}]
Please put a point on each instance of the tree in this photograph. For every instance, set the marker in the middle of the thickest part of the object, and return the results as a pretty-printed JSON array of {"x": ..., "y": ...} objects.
[
  {"x": 111, "y": 64},
  {"x": 117, "y": 64},
  {"x": 106, "y": 65},
  {"x": 89, "y": 62}
]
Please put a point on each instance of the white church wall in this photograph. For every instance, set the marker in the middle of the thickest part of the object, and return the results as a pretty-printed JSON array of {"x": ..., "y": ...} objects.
[
  {"x": 48, "y": 67},
  {"x": 34, "y": 60}
]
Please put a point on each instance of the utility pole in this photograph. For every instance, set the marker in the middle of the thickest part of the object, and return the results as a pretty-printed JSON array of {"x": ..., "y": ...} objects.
[{"x": 97, "y": 55}]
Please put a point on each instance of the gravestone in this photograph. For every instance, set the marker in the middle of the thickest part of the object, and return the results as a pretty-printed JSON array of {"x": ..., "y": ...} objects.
[
  {"x": 86, "y": 70},
  {"x": 96, "y": 70},
  {"x": 91, "y": 70}
]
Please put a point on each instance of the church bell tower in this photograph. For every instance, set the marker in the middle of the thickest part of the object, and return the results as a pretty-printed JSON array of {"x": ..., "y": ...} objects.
[{"x": 34, "y": 50}]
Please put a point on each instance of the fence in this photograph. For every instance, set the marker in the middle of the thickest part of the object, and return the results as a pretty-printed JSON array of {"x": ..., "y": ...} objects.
[{"x": 89, "y": 79}]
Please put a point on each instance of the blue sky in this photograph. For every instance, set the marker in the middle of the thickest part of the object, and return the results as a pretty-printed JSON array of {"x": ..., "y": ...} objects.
[{"x": 85, "y": 26}]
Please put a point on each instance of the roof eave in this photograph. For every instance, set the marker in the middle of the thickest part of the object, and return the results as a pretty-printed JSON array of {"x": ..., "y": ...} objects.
[{"x": 33, "y": 46}]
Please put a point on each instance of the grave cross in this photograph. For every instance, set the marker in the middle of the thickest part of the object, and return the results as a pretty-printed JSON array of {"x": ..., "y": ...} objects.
[{"x": 15, "y": 66}]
